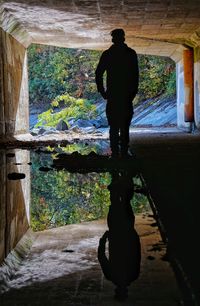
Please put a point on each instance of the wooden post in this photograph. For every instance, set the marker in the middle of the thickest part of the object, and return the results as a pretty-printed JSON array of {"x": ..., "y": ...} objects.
[{"x": 188, "y": 64}]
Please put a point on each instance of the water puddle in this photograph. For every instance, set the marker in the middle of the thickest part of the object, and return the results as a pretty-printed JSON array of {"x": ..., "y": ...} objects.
[{"x": 51, "y": 187}]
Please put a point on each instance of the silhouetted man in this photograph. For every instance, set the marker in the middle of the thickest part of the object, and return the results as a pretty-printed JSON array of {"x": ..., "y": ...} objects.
[{"x": 121, "y": 66}]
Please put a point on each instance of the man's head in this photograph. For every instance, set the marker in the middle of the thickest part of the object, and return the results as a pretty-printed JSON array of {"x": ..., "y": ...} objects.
[{"x": 118, "y": 36}]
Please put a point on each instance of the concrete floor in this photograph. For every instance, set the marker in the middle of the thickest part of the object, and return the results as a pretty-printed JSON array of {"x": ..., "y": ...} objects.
[
  {"x": 50, "y": 276},
  {"x": 137, "y": 135}
]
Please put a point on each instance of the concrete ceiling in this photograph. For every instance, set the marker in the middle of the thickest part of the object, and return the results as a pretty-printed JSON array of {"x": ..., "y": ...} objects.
[{"x": 159, "y": 27}]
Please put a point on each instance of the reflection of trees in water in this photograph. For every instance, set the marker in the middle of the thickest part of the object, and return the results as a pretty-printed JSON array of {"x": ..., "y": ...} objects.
[{"x": 59, "y": 197}]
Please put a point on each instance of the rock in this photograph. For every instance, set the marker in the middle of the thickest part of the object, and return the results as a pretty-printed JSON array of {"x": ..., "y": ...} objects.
[
  {"x": 34, "y": 131},
  {"x": 83, "y": 123},
  {"x": 41, "y": 131},
  {"x": 95, "y": 123},
  {"x": 102, "y": 130},
  {"x": 33, "y": 120},
  {"x": 75, "y": 129},
  {"x": 102, "y": 122},
  {"x": 89, "y": 129},
  {"x": 50, "y": 131},
  {"x": 71, "y": 121},
  {"x": 101, "y": 108},
  {"x": 62, "y": 126}
]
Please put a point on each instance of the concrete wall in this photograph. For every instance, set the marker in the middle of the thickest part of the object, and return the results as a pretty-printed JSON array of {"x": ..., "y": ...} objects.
[
  {"x": 14, "y": 111},
  {"x": 2, "y": 205},
  {"x": 14, "y": 200},
  {"x": 197, "y": 87},
  {"x": 14, "y": 118},
  {"x": 181, "y": 98}
]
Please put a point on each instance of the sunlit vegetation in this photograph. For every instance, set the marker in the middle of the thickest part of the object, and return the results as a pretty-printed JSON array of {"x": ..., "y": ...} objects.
[
  {"x": 62, "y": 81},
  {"x": 78, "y": 108}
]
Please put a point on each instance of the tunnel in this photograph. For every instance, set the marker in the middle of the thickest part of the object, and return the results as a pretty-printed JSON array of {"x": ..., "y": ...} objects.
[{"x": 169, "y": 163}]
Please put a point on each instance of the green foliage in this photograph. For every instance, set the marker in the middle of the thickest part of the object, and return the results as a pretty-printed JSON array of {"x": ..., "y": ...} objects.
[
  {"x": 60, "y": 198},
  {"x": 171, "y": 88},
  {"x": 157, "y": 76},
  {"x": 77, "y": 108},
  {"x": 54, "y": 71},
  {"x": 80, "y": 148}
]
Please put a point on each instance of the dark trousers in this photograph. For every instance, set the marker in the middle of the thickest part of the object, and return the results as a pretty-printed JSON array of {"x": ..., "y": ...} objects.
[{"x": 119, "y": 120}]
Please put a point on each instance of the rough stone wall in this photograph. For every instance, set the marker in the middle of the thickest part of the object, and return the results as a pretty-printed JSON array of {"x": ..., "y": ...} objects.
[
  {"x": 15, "y": 201},
  {"x": 14, "y": 87}
]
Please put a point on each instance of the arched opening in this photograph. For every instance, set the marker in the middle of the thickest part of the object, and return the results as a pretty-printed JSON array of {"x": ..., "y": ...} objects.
[
  {"x": 166, "y": 29},
  {"x": 62, "y": 91}
]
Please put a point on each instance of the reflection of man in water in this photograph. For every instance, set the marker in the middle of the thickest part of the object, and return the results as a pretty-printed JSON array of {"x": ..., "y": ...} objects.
[
  {"x": 121, "y": 65},
  {"x": 122, "y": 266}
]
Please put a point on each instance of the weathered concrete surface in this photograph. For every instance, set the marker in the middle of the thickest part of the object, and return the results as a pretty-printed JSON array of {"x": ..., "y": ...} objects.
[
  {"x": 15, "y": 200},
  {"x": 2, "y": 207},
  {"x": 51, "y": 276},
  {"x": 152, "y": 27},
  {"x": 181, "y": 97},
  {"x": 14, "y": 260},
  {"x": 155, "y": 112},
  {"x": 14, "y": 115}
]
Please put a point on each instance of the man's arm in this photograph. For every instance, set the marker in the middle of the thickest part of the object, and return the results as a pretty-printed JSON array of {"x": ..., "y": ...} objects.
[
  {"x": 103, "y": 260},
  {"x": 101, "y": 68},
  {"x": 135, "y": 76},
  {"x": 136, "y": 73}
]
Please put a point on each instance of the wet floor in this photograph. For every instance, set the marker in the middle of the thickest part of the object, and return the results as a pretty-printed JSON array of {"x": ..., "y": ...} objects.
[
  {"x": 62, "y": 268},
  {"x": 66, "y": 265}
]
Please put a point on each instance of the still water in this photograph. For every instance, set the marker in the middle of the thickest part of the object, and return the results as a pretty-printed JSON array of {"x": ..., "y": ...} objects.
[
  {"x": 60, "y": 197},
  {"x": 53, "y": 196}
]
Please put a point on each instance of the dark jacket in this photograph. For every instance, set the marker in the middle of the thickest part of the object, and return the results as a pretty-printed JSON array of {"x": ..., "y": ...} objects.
[{"x": 121, "y": 66}]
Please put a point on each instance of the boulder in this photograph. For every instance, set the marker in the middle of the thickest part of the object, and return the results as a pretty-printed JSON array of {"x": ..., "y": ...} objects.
[
  {"x": 34, "y": 131},
  {"x": 101, "y": 108},
  {"x": 88, "y": 129},
  {"x": 62, "y": 126},
  {"x": 75, "y": 129},
  {"x": 95, "y": 123},
  {"x": 50, "y": 131},
  {"x": 102, "y": 122},
  {"x": 41, "y": 130},
  {"x": 83, "y": 123}
]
